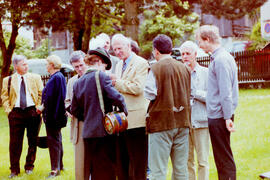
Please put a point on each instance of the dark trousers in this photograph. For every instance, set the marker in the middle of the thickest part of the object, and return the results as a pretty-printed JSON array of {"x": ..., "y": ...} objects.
[
  {"x": 100, "y": 158},
  {"x": 132, "y": 154},
  {"x": 54, "y": 141},
  {"x": 220, "y": 139},
  {"x": 19, "y": 120}
]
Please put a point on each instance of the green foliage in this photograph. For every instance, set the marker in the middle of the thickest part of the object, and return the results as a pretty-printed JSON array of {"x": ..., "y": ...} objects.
[
  {"x": 24, "y": 47},
  {"x": 257, "y": 41},
  {"x": 165, "y": 22}
]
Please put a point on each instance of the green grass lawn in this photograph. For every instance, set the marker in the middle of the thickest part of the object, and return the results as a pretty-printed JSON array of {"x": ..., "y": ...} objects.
[{"x": 250, "y": 143}]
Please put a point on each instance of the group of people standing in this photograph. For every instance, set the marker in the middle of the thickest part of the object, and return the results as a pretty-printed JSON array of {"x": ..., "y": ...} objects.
[{"x": 172, "y": 108}]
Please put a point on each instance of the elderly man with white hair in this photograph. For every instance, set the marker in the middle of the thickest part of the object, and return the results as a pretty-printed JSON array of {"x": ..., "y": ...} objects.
[
  {"x": 130, "y": 77},
  {"x": 199, "y": 134},
  {"x": 103, "y": 41}
]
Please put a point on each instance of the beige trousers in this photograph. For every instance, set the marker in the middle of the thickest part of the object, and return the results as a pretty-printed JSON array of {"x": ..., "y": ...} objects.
[
  {"x": 199, "y": 141},
  {"x": 77, "y": 139}
]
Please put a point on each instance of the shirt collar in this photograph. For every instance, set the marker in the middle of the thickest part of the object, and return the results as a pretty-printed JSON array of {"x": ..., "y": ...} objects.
[
  {"x": 128, "y": 59},
  {"x": 196, "y": 68},
  {"x": 214, "y": 54},
  {"x": 20, "y": 76},
  {"x": 167, "y": 56}
]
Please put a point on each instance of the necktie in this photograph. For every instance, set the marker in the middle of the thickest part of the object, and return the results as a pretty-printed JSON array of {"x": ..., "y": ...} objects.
[
  {"x": 124, "y": 67},
  {"x": 22, "y": 95}
]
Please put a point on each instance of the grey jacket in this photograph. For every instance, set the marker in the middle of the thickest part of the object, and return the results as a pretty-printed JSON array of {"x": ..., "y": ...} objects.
[{"x": 198, "y": 96}]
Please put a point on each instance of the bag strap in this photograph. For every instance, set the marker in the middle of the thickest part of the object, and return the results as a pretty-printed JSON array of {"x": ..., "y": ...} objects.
[
  {"x": 9, "y": 83},
  {"x": 100, "y": 97}
]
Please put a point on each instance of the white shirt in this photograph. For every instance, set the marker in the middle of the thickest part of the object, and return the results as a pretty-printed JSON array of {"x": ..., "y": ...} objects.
[{"x": 29, "y": 99}]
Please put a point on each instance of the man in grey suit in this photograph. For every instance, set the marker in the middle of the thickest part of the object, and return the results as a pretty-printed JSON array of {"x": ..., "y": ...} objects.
[
  {"x": 198, "y": 133},
  {"x": 76, "y": 125}
]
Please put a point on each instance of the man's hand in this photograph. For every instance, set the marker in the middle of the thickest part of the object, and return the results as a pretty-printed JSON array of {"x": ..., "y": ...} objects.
[
  {"x": 113, "y": 78},
  {"x": 230, "y": 125}
]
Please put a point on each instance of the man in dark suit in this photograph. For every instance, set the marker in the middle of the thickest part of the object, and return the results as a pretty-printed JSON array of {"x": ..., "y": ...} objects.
[
  {"x": 21, "y": 95},
  {"x": 99, "y": 147},
  {"x": 54, "y": 113}
]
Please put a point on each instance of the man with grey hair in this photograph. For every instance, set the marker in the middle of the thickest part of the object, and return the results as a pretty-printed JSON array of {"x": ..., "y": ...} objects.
[
  {"x": 198, "y": 133},
  {"x": 103, "y": 41},
  {"x": 129, "y": 80},
  {"x": 221, "y": 99},
  {"x": 21, "y": 95},
  {"x": 76, "y": 125}
]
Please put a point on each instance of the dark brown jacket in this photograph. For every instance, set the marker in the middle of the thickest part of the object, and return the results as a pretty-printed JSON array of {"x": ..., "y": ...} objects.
[{"x": 171, "y": 108}]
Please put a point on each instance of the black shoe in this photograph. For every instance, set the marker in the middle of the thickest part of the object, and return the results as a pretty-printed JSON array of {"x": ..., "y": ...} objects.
[
  {"x": 53, "y": 174},
  {"x": 12, "y": 175},
  {"x": 29, "y": 171}
]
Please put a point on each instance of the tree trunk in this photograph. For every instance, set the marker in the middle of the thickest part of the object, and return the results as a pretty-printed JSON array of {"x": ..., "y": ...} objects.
[
  {"x": 131, "y": 19},
  {"x": 78, "y": 38},
  {"x": 89, "y": 6},
  {"x": 7, "y": 52}
]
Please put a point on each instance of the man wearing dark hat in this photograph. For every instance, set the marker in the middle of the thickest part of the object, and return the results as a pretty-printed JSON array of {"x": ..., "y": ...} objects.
[{"x": 99, "y": 147}]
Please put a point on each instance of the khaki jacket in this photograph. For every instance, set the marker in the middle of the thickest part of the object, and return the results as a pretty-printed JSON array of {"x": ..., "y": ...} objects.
[
  {"x": 131, "y": 86},
  {"x": 34, "y": 85},
  {"x": 74, "y": 124}
]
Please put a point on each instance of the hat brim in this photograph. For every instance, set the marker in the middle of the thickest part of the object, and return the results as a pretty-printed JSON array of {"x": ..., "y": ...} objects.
[{"x": 106, "y": 59}]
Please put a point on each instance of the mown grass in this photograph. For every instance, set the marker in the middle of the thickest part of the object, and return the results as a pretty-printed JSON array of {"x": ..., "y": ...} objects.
[
  {"x": 42, "y": 163},
  {"x": 250, "y": 143}
]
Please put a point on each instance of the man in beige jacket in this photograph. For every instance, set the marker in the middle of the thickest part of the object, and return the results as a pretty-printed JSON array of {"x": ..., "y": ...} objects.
[
  {"x": 76, "y": 125},
  {"x": 129, "y": 80},
  {"x": 21, "y": 95}
]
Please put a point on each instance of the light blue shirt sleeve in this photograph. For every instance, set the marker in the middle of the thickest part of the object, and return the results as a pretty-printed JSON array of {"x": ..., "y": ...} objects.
[{"x": 150, "y": 90}]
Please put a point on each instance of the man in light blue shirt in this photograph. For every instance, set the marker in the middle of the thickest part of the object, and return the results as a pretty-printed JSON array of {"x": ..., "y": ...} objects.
[
  {"x": 198, "y": 134},
  {"x": 221, "y": 99}
]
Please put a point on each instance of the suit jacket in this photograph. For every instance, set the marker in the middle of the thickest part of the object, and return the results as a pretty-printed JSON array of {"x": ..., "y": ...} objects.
[
  {"x": 34, "y": 87},
  {"x": 74, "y": 124},
  {"x": 85, "y": 100},
  {"x": 131, "y": 85},
  {"x": 53, "y": 99}
]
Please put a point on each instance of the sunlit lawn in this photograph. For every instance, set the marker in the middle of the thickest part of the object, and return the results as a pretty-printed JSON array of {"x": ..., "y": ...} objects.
[{"x": 250, "y": 143}]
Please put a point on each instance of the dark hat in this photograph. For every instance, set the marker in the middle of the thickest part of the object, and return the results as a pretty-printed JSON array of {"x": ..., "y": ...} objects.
[{"x": 101, "y": 52}]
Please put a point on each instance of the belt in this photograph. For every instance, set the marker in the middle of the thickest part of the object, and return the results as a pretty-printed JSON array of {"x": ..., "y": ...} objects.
[{"x": 25, "y": 109}]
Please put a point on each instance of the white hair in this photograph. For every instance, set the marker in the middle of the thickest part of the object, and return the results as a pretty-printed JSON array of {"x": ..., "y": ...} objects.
[
  {"x": 97, "y": 42},
  {"x": 189, "y": 45},
  {"x": 121, "y": 37},
  {"x": 104, "y": 36},
  {"x": 17, "y": 58}
]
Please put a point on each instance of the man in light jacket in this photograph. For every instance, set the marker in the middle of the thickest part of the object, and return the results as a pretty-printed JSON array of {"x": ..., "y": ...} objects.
[{"x": 198, "y": 134}]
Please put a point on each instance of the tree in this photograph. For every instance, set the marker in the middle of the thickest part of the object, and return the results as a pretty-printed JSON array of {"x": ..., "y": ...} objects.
[
  {"x": 230, "y": 9},
  {"x": 164, "y": 21},
  {"x": 257, "y": 41},
  {"x": 14, "y": 11}
]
